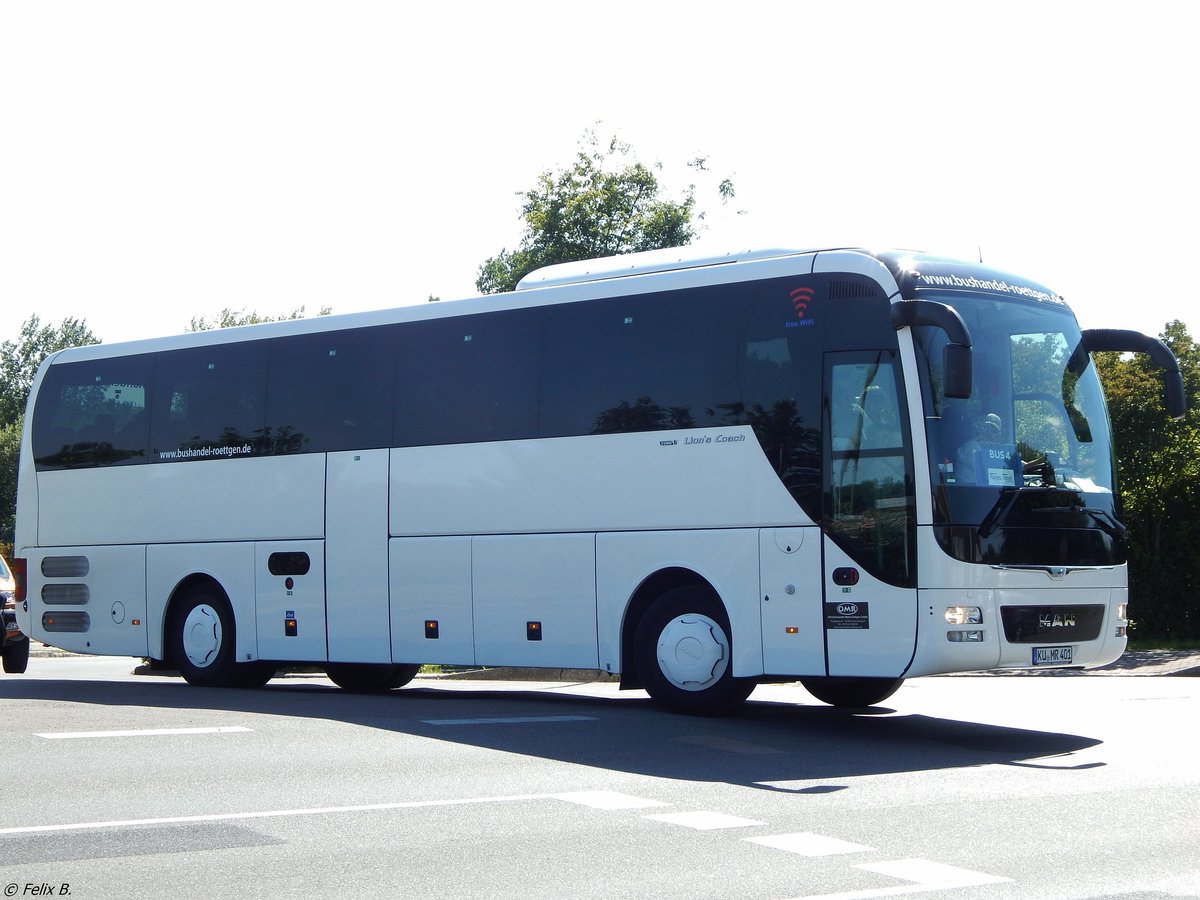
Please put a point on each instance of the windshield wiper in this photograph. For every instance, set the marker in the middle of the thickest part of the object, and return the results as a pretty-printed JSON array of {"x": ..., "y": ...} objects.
[
  {"x": 1009, "y": 498},
  {"x": 1106, "y": 520}
]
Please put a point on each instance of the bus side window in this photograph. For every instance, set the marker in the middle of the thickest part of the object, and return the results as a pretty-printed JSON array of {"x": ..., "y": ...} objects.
[
  {"x": 86, "y": 414},
  {"x": 330, "y": 392},
  {"x": 468, "y": 379},
  {"x": 648, "y": 362},
  {"x": 210, "y": 396}
]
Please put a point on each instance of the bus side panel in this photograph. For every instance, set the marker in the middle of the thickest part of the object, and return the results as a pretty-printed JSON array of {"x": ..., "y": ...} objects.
[
  {"x": 728, "y": 560},
  {"x": 290, "y": 620},
  {"x": 267, "y": 498},
  {"x": 231, "y": 565},
  {"x": 793, "y": 630},
  {"x": 535, "y": 600},
  {"x": 699, "y": 478},
  {"x": 870, "y": 626},
  {"x": 356, "y": 556},
  {"x": 89, "y": 599},
  {"x": 431, "y": 601}
]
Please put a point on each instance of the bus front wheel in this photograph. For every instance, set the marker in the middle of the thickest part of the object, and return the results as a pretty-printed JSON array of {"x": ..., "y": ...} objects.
[
  {"x": 684, "y": 654},
  {"x": 853, "y": 693}
]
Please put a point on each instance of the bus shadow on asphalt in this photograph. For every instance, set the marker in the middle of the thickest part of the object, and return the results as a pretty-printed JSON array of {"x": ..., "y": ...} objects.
[{"x": 767, "y": 744}]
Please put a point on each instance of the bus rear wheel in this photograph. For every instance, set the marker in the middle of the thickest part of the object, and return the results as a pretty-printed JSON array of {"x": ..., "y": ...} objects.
[
  {"x": 370, "y": 678},
  {"x": 201, "y": 640},
  {"x": 254, "y": 674},
  {"x": 852, "y": 693},
  {"x": 684, "y": 654}
]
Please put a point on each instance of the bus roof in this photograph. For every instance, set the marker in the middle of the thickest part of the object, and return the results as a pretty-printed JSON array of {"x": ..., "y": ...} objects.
[{"x": 648, "y": 262}]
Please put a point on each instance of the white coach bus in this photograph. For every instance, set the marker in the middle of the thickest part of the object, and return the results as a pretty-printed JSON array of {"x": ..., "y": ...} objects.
[{"x": 834, "y": 466}]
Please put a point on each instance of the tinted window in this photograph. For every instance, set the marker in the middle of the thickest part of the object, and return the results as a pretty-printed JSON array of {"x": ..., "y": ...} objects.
[
  {"x": 781, "y": 365},
  {"x": 330, "y": 391},
  {"x": 870, "y": 506},
  {"x": 209, "y": 402},
  {"x": 642, "y": 363},
  {"x": 468, "y": 378},
  {"x": 92, "y": 414}
]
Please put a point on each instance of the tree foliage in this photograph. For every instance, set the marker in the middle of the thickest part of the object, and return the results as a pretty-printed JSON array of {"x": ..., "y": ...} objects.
[
  {"x": 232, "y": 318},
  {"x": 603, "y": 204},
  {"x": 1158, "y": 472},
  {"x": 19, "y": 361},
  {"x": 10, "y": 455}
]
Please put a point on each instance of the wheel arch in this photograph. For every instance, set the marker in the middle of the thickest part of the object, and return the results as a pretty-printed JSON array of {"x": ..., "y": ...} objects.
[
  {"x": 190, "y": 583},
  {"x": 650, "y": 589}
]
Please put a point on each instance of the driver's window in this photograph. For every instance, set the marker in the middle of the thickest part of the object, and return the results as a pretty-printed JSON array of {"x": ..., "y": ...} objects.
[{"x": 1048, "y": 416}]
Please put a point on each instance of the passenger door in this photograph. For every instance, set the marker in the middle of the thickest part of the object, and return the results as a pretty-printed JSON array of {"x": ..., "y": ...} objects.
[{"x": 869, "y": 544}]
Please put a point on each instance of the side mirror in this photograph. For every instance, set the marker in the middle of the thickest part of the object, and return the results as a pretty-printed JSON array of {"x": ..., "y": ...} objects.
[
  {"x": 957, "y": 356},
  {"x": 1122, "y": 341},
  {"x": 958, "y": 368}
]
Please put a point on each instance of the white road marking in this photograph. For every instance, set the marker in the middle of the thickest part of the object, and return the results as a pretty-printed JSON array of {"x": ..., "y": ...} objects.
[
  {"x": 932, "y": 874},
  {"x": 598, "y": 799},
  {"x": 510, "y": 720},
  {"x": 704, "y": 820},
  {"x": 807, "y": 844},
  {"x": 273, "y": 813},
  {"x": 926, "y": 877},
  {"x": 608, "y": 800},
  {"x": 141, "y": 732}
]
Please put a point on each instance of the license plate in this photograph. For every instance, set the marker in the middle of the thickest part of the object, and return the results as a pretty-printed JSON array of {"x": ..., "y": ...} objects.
[{"x": 1052, "y": 656}]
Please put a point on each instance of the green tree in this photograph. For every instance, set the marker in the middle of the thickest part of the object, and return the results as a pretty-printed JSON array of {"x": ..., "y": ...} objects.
[
  {"x": 605, "y": 203},
  {"x": 231, "y": 318},
  {"x": 19, "y": 361},
  {"x": 10, "y": 454},
  {"x": 1158, "y": 475}
]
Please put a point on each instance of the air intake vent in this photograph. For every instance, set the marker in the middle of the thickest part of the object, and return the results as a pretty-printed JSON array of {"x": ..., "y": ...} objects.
[
  {"x": 75, "y": 622},
  {"x": 852, "y": 290},
  {"x": 66, "y": 594},
  {"x": 65, "y": 566}
]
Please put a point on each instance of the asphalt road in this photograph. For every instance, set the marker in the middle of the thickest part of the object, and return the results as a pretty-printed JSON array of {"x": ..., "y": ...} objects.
[{"x": 977, "y": 787}]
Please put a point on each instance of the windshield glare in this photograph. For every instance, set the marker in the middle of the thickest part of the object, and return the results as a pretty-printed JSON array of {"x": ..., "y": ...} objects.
[{"x": 1035, "y": 418}]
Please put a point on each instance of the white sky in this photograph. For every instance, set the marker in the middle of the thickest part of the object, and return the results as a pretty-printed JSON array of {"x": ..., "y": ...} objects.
[{"x": 163, "y": 160}]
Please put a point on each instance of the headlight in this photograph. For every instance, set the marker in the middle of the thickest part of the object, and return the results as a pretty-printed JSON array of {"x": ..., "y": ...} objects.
[
  {"x": 964, "y": 637},
  {"x": 964, "y": 615}
]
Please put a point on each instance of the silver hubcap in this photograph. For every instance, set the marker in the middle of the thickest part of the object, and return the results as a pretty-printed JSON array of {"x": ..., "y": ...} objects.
[
  {"x": 693, "y": 652},
  {"x": 202, "y": 636}
]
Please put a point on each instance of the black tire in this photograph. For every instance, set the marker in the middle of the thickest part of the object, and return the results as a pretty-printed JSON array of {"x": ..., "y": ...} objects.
[
  {"x": 254, "y": 674},
  {"x": 852, "y": 693},
  {"x": 16, "y": 657},
  {"x": 370, "y": 678},
  {"x": 201, "y": 640},
  {"x": 684, "y": 654}
]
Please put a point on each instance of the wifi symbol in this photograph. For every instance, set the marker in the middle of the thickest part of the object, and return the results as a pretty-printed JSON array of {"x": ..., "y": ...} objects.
[{"x": 801, "y": 297}]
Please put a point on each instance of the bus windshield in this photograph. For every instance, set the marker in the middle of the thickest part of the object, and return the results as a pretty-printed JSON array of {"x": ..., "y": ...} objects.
[{"x": 1030, "y": 450}]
